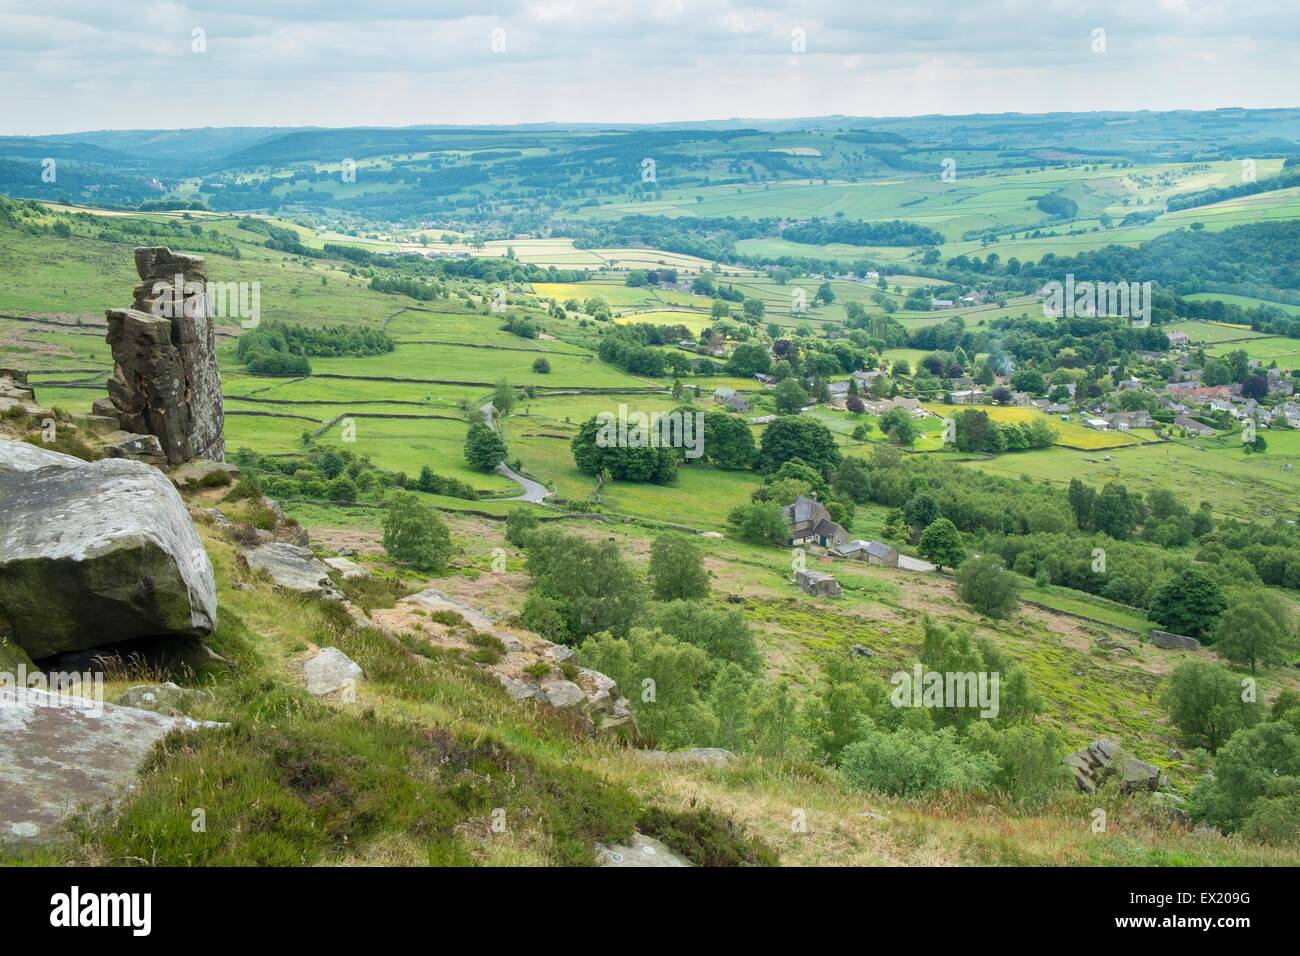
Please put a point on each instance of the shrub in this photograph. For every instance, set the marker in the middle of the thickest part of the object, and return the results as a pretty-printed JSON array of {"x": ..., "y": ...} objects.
[
  {"x": 519, "y": 522},
  {"x": 677, "y": 569},
  {"x": 988, "y": 587},
  {"x": 541, "y": 366},
  {"x": 415, "y": 533},
  {"x": 910, "y": 762}
]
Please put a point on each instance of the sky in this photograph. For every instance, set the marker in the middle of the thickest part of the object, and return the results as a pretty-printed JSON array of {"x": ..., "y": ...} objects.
[{"x": 70, "y": 65}]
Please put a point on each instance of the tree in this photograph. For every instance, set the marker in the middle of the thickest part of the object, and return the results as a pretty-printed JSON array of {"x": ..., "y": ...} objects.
[
  {"x": 415, "y": 534},
  {"x": 519, "y": 523},
  {"x": 484, "y": 448},
  {"x": 987, "y": 586},
  {"x": 677, "y": 569},
  {"x": 1081, "y": 498},
  {"x": 729, "y": 699},
  {"x": 789, "y": 396},
  {"x": 728, "y": 441},
  {"x": 941, "y": 543},
  {"x": 760, "y": 522},
  {"x": 795, "y": 436},
  {"x": 590, "y": 585},
  {"x": 503, "y": 398},
  {"x": 541, "y": 366},
  {"x": 1205, "y": 704},
  {"x": 1115, "y": 512},
  {"x": 1254, "y": 629},
  {"x": 667, "y": 676},
  {"x": 748, "y": 359},
  {"x": 1255, "y": 783},
  {"x": 853, "y": 480},
  {"x": 834, "y": 715},
  {"x": 921, "y": 510},
  {"x": 723, "y": 634},
  {"x": 899, "y": 425},
  {"x": 595, "y": 450},
  {"x": 1189, "y": 603}
]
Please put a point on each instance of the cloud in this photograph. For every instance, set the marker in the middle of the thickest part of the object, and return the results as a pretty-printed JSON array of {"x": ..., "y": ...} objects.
[{"x": 67, "y": 64}]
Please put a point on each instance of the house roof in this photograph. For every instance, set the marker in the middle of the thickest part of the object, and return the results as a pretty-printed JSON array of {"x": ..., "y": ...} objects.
[
  {"x": 827, "y": 528},
  {"x": 878, "y": 549}
]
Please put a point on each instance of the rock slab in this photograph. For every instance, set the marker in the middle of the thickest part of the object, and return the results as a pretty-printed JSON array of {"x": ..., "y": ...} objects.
[
  {"x": 57, "y": 754},
  {"x": 329, "y": 671}
]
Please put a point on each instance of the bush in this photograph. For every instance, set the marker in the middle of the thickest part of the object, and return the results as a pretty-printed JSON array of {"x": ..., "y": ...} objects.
[
  {"x": 677, "y": 569},
  {"x": 1204, "y": 701},
  {"x": 519, "y": 522},
  {"x": 910, "y": 762},
  {"x": 988, "y": 587},
  {"x": 415, "y": 533},
  {"x": 761, "y": 522},
  {"x": 484, "y": 448},
  {"x": 541, "y": 366}
]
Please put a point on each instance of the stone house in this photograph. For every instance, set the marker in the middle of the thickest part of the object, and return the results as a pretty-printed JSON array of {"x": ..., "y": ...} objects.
[
  {"x": 817, "y": 583},
  {"x": 810, "y": 523}
]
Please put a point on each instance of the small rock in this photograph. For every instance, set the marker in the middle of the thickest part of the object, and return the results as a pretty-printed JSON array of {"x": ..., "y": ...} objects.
[
  {"x": 350, "y": 570},
  {"x": 293, "y": 568},
  {"x": 559, "y": 653},
  {"x": 861, "y": 650},
  {"x": 197, "y": 473},
  {"x": 644, "y": 851},
  {"x": 166, "y": 698},
  {"x": 331, "y": 670}
]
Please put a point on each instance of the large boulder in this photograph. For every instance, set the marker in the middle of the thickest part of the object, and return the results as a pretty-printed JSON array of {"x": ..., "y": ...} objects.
[
  {"x": 165, "y": 380},
  {"x": 330, "y": 671},
  {"x": 1168, "y": 641},
  {"x": 59, "y": 752},
  {"x": 94, "y": 553}
]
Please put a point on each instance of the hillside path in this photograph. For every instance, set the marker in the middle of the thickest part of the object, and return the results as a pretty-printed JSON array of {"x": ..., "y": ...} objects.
[{"x": 534, "y": 492}]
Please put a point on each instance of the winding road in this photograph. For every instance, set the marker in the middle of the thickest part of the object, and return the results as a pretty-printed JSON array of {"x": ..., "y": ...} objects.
[{"x": 534, "y": 492}]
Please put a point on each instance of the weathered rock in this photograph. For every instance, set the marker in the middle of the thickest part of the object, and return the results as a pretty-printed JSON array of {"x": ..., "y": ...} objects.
[
  {"x": 165, "y": 380},
  {"x": 708, "y": 756},
  {"x": 145, "y": 448},
  {"x": 100, "y": 424},
  {"x": 861, "y": 650},
  {"x": 1174, "y": 642},
  {"x": 559, "y": 653},
  {"x": 644, "y": 851},
  {"x": 104, "y": 407},
  {"x": 562, "y": 693},
  {"x": 93, "y": 553},
  {"x": 24, "y": 456},
  {"x": 201, "y": 472},
  {"x": 330, "y": 671},
  {"x": 1173, "y": 803},
  {"x": 57, "y": 754},
  {"x": 1102, "y": 759},
  {"x": 348, "y": 570},
  {"x": 293, "y": 568}
]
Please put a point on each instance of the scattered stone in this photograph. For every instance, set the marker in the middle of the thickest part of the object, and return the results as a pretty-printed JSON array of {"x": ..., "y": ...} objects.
[
  {"x": 331, "y": 670},
  {"x": 165, "y": 381},
  {"x": 643, "y": 851},
  {"x": 1168, "y": 641},
  {"x": 108, "y": 544},
  {"x": 517, "y": 689},
  {"x": 349, "y": 570},
  {"x": 735, "y": 599},
  {"x": 57, "y": 754},
  {"x": 1103, "y": 759},
  {"x": 293, "y": 568},
  {"x": 1175, "y": 804},
  {"x": 709, "y": 756},
  {"x": 861, "y": 650}
]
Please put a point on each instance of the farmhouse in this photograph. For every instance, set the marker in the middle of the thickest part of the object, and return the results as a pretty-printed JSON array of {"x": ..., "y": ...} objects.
[
  {"x": 1178, "y": 338},
  {"x": 938, "y": 304},
  {"x": 1123, "y": 421},
  {"x": 968, "y": 396},
  {"x": 810, "y": 523},
  {"x": 730, "y": 398}
]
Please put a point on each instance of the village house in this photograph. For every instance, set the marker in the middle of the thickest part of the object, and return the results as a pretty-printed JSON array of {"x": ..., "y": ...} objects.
[
  {"x": 838, "y": 389},
  {"x": 1177, "y": 338},
  {"x": 1194, "y": 427},
  {"x": 939, "y": 304},
  {"x": 968, "y": 396},
  {"x": 810, "y": 523},
  {"x": 730, "y": 398},
  {"x": 1123, "y": 421}
]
